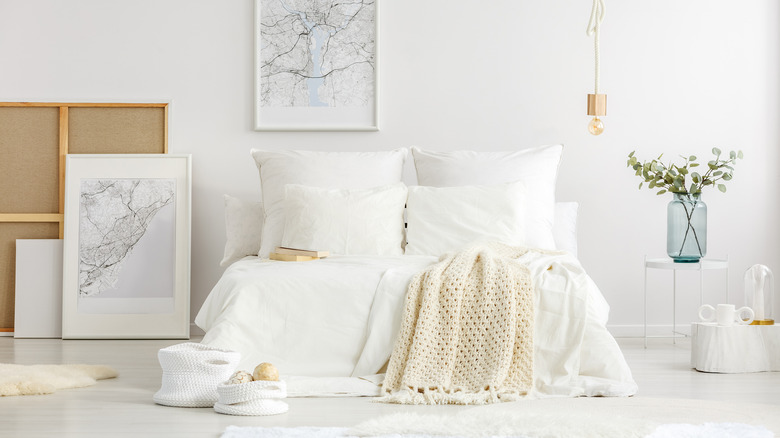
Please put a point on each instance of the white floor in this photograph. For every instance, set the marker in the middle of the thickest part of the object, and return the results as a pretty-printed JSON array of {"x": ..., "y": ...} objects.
[{"x": 124, "y": 407}]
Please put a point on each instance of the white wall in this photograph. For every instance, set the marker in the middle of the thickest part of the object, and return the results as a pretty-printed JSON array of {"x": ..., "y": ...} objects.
[{"x": 681, "y": 77}]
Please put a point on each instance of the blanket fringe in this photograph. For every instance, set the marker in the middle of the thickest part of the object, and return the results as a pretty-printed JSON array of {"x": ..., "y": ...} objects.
[{"x": 443, "y": 396}]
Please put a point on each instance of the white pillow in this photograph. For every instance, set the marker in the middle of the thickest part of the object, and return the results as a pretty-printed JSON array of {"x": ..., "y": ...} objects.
[
  {"x": 444, "y": 219},
  {"x": 345, "y": 221},
  {"x": 243, "y": 229},
  {"x": 536, "y": 167},
  {"x": 335, "y": 170},
  {"x": 565, "y": 228}
]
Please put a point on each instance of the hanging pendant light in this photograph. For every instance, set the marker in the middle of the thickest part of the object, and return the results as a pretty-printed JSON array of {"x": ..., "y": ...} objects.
[{"x": 597, "y": 103}]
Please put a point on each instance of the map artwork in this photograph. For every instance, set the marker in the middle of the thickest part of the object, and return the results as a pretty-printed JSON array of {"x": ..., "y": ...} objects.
[
  {"x": 114, "y": 216},
  {"x": 317, "y": 53}
]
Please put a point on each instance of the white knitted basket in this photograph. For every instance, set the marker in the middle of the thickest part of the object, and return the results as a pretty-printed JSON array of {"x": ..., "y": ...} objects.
[
  {"x": 254, "y": 407},
  {"x": 256, "y": 390},
  {"x": 252, "y": 398},
  {"x": 191, "y": 373}
]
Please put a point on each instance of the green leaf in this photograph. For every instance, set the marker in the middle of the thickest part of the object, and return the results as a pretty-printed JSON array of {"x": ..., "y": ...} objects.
[
  {"x": 640, "y": 185},
  {"x": 661, "y": 192},
  {"x": 722, "y": 187},
  {"x": 659, "y": 157},
  {"x": 694, "y": 164},
  {"x": 732, "y": 155},
  {"x": 727, "y": 177},
  {"x": 694, "y": 188},
  {"x": 683, "y": 170},
  {"x": 631, "y": 154},
  {"x": 717, "y": 173},
  {"x": 739, "y": 155},
  {"x": 651, "y": 185},
  {"x": 716, "y": 151},
  {"x": 692, "y": 158}
]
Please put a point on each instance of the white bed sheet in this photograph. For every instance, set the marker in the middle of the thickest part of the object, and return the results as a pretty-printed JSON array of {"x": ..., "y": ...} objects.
[{"x": 338, "y": 317}]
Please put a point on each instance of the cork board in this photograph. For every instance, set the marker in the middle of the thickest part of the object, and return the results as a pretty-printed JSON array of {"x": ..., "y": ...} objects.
[
  {"x": 9, "y": 232},
  {"x": 133, "y": 130},
  {"x": 34, "y": 139},
  {"x": 29, "y": 139}
]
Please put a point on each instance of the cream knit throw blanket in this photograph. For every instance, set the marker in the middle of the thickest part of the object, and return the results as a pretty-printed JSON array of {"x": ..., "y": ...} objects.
[{"x": 467, "y": 331}]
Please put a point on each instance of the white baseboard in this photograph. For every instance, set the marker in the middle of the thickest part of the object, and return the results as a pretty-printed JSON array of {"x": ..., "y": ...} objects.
[
  {"x": 638, "y": 330},
  {"x": 618, "y": 331},
  {"x": 194, "y": 331}
]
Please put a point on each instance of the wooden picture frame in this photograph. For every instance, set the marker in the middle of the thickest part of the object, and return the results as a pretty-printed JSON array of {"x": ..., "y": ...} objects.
[
  {"x": 316, "y": 69},
  {"x": 126, "y": 257}
]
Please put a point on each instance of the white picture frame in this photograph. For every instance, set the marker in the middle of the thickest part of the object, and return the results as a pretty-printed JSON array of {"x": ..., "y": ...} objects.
[
  {"x": 126, "y": 255},
  {"x": 297, "y": 87}
]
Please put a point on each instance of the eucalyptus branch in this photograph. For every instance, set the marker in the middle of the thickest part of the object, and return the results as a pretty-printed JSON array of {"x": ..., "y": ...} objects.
[{"x": 677, "y": 178}]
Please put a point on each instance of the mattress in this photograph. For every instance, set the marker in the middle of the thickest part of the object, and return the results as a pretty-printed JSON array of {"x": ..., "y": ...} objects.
[{"x": 338, "y": 317}]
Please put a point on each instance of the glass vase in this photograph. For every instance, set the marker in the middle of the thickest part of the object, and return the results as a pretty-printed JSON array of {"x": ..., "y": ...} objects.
[
  {"x": 759, "y": 294},
  {"x": 686, "y": 228}
]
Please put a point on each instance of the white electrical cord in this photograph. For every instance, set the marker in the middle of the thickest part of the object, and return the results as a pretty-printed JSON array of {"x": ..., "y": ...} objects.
[{"x": 596, "y": 17}]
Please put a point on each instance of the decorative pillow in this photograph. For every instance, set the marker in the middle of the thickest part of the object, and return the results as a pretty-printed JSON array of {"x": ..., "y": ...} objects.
[
  {"x": 565, "y": 228},
  {"x": 333, "y": 170},
  {"x": 536, "y": 167},
  {"x": 441, "y": 220},
  {"x": 243, "y": 228},
  {"x": 345, "y": 221}
]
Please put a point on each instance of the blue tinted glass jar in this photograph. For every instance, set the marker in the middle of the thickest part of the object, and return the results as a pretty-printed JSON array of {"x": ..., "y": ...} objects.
[{"x": 686, "y": 228}]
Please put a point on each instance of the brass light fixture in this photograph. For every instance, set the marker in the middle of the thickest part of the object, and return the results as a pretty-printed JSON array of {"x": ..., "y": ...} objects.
[{"x": 597, "y": 103}]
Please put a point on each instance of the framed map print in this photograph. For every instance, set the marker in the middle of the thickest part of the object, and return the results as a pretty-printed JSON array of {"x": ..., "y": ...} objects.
[
  {"x": 126, "y": 256},
  {"x": 316, "y": 65}
]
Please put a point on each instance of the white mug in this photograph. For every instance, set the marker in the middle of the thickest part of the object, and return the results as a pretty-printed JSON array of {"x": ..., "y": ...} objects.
[{"x": 726, "y": 315}]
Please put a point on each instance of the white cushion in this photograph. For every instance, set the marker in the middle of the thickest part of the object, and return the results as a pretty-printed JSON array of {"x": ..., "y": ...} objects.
[
  {"x": 345, "y": 221},
  {"x": 536, "y": 167},
  {"x": 444, "y": 219},
  {"x": 565, "y": 228},
  {"x": 243, "y": 229},
  {"x": 337, "y": 170}
]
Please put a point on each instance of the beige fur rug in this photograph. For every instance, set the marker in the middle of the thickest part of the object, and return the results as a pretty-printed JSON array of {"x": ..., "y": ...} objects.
[{"x": 45, "y": 379}]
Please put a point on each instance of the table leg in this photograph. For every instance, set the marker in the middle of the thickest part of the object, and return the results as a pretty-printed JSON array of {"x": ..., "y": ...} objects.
[
  {"x": 728, "y": 280},
  {"x": 645, "y": 292},
  {"x": 701, "y": 286},
  {"x": 674, "y": 307}
]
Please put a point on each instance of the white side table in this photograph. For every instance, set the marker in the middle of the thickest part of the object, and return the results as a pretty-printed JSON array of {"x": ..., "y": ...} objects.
[
  {"x": 669, "y": 264},
  {"x": 735, "y": 349}
]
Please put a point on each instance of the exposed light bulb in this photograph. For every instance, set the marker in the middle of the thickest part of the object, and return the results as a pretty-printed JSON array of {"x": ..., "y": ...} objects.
[{"x": 596, "y": 126}]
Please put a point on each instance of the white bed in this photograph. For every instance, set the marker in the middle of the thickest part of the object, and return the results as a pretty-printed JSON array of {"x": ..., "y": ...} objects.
[
  {"x": 336, "y": 319},
  {"x": 338, "y": 316}
]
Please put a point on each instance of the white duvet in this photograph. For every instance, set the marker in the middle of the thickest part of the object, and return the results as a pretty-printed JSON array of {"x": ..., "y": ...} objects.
[{"x": 338, "y": 317}]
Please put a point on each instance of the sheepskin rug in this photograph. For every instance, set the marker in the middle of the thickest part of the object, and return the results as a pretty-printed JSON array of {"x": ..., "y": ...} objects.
[{"x": 45, "y": 379}]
